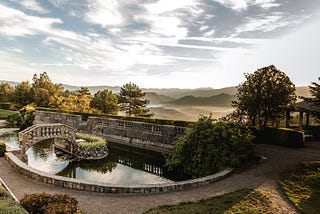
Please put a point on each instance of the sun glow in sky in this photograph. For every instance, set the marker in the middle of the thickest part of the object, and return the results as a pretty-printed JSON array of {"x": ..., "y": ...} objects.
[{"x": 158, "y": 43}]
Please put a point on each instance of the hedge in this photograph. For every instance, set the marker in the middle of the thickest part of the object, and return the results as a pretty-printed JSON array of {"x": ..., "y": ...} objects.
[
  {"x": 315, "y": 130},
  {"x": 2, "y": 149},
  {"x": 282, "y": 137},
  {"x": 85, "y": 115},
  {"x": 7, "y": 106}
]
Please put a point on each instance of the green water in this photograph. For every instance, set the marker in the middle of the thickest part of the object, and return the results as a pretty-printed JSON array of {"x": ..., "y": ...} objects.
[{"x": 124, "y": 165}]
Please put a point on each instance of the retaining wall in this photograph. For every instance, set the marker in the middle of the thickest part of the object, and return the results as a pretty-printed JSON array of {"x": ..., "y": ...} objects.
[
  {"x": 72, "y": 183},
  {"x": 150, "y": 136}
]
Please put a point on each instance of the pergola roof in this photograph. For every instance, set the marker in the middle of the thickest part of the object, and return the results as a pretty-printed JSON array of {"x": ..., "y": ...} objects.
[{"x": 304, "y": 106}]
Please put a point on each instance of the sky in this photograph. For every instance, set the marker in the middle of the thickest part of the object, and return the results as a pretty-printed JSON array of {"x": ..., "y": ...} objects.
[{"x": 158, "y": 43}]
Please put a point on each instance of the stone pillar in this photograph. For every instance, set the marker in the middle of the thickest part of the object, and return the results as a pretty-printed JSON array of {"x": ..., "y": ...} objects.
[
  {"x": 308, "y": 119},
  {"x": 300, "y": 120}
]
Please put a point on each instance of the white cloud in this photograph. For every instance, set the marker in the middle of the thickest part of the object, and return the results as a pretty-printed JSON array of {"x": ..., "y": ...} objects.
[
  {"x": 234, "y": 4},
  {"x": 104, "y": 12},
  {"x": 163, "y": 6}
]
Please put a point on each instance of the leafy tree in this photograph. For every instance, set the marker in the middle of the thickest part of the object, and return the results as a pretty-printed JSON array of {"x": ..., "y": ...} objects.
[
  {"x": 6, "y": 92},
  {"x": 131, "y": 101},
  {"x": 106, "y": 101},
  {"x": 46, "y": 93},
  {"x": 22, "y": 94},
  {"x": 264, "y": 96},
  {"x": 314, "y": 89},
  {"x": 84, "y": 99},
  {"x": 209, "y": 146}
]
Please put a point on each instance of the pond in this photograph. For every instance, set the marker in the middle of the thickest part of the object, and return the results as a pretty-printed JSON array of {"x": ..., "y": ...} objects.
[{"x": 124, "y": 165}]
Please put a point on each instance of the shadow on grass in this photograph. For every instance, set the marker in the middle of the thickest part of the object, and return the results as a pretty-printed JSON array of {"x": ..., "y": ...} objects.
[
  {"x": 302, "y": 187},
  {"x": 242, "y": 201}
]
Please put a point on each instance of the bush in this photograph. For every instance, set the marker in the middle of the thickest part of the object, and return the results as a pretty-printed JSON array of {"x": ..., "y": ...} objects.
[
  {"x": 282, "y": 137},
  {"x": 315, "y": 130},
  {"x": 42, "y": 203},
  {"x": 6, "y": 106},
  {"x": 2, "y": 149},
  {"x": 208, "y": 147},
  {"x": 91, "y": 141},
  {"x": 23, "y": 119}
]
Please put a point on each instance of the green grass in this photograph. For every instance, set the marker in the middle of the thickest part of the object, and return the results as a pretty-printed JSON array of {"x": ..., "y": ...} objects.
[
  {"x": 91, "y": 141},
  {"x": 302, "y": 187},
  {"x": 5, "y": 113},
  {"x": 7, "y": 204},
  {"x": 243, "y": 201}
]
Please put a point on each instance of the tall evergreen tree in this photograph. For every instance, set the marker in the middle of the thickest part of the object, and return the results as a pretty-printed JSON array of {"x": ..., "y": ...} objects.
[
  {"x": 314, "y": 90},
  {"x": 131, "y": 101}
]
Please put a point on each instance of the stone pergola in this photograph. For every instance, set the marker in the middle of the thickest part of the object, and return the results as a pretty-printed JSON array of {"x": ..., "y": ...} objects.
[{"x": 303, "y": 108}]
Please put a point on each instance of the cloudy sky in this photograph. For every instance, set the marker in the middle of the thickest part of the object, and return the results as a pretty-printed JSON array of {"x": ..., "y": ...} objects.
[{"x": 158, "y": 43}]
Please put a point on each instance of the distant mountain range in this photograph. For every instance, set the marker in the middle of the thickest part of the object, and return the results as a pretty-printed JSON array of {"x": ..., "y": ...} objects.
[{"x": 176, "y": 96}]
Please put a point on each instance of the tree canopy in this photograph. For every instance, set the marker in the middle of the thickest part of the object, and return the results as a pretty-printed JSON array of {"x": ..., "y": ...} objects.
[
  {"x": 314, "y": 90},
  {"x": 106, "y": 101},
  {"x": 6, "y": 92},
  {"x": 131, "y": 101},
  {"x": 264, "y": 97}
]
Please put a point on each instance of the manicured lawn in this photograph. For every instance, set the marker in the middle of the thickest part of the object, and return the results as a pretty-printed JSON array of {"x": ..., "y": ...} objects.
[
  {"x": 243, "y": 201},
  {"x": 302, "y": 187},
  {"x": 7, "y": 204},
  {"x": 5, "y": 113}
]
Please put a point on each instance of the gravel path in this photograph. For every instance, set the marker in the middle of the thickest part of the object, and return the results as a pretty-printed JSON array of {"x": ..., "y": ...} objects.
[{"x": 262, "y": 177}]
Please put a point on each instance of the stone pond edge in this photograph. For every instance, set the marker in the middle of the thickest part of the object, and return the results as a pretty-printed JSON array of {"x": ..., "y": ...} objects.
[{"x": 76, "y": 184}]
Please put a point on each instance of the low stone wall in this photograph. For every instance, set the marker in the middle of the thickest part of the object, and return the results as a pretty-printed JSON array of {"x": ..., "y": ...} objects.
[
  {"x": 72, "y": 183},
  {"x": 150, "y": 136}
]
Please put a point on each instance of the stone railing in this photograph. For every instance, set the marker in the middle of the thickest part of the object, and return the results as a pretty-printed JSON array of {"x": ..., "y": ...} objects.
[{"x": 150, "y": 136}]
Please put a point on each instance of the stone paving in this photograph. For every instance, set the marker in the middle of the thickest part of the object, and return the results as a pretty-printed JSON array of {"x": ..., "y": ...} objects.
[{"x": 262, "y": 177}]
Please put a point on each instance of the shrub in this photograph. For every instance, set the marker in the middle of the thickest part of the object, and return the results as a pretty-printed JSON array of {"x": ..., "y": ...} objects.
[
  {"x": 6, "y": 105},
  {"x": 282, "y": 137},
  {"x": 42, "y": 203},
  {"x": 91, "y": 141},
  {"x": 23, "y": 119},
  {"x": 210, "y": 146},
  {"x": 2, "y": 149}
]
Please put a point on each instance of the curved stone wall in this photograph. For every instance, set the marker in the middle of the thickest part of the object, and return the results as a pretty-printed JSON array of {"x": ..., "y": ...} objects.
[{"x": 72, "y": 183}]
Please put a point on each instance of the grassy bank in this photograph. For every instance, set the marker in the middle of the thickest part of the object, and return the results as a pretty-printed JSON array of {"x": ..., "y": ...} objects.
[
  {"x": 5, "y": 113},
  {"x": 243, "y": 201},
  {"x": 7, "y": 204},
  {"x": 302, "y": 187}
]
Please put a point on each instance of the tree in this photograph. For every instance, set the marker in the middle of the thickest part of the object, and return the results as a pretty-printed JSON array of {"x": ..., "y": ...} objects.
[
  {"x": 130, "y": 101},
  {"x": 314, "y": 90},
  {"x": 106, "y": 101},
  {"x": 210, "y": 146},
  {"x": 6, "y": 92},
  {"x": 44, "y": 92},
  {"x": 264, "y": 96},
  {"x": 84, "y": 99},
  {"x": 22, "y": 94}
]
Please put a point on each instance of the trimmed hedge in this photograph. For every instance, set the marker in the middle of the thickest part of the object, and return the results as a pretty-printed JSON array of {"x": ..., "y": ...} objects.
[
  {"x": 282, "y": 137},
  {"x": 85, "y": 115},
  {"x": 6, "y": 105},
  {"x": 315, "y": 130},
  {"x": 42, "y": 203},
  {"x": 2, "y": 149}
]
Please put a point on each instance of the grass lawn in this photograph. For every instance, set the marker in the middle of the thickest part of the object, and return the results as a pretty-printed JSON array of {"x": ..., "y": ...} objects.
[
  {"x": 5, "y": 113},
  {"x": 7, "y": 204},
  {"x": 302, "y": 187},
  {"x": 243, "y": 201}
]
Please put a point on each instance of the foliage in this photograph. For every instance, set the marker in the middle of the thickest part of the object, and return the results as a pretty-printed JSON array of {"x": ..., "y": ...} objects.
[
  {"x": 7, "y": 106},
  {"x": 91, "y": 141},
  {"x": 2, "y": 149},
  {"x": 282, "y": 137},
  {"x": 242, "y": 201},
  {"x": 105, "y": 101},
  {"x": 302, "y": 187},
  {"x": 76, "y": 101},
  {"x": 130, "y": 101},
  {"x": 264, "y": 97},
  {"x": 43, "y": 203},
  {"x": 44, "y": 92},
  {"x": 314, "y": 90},
  {"x": 7, "y": 204},
  {"x": 22, "y": 94},
  {"x": 5, "y": 92},
  {"x": 210, "y": 146},
  {"x": 23, "y": 119}
]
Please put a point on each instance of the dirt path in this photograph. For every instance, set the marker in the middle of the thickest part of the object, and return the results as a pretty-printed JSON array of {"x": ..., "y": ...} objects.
[{"x": 263, "y": 177}]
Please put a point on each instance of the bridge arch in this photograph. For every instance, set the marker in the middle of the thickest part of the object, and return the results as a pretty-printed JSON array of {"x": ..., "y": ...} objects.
[{"x": 40, "y": 132}]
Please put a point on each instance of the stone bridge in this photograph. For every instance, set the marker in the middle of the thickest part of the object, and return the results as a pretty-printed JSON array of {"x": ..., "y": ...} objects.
[{"x": 40, "y": 132}]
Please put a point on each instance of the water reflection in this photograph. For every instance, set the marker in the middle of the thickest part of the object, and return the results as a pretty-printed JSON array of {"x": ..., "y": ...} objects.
[{"x": 124, "y": 165}]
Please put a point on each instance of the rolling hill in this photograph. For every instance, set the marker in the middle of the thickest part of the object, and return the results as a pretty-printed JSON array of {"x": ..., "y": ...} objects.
[{"x": 216, "y": 100}]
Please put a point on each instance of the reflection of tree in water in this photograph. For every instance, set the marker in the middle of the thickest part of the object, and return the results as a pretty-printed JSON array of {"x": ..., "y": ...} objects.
[{"x": 43, "y": 149}]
